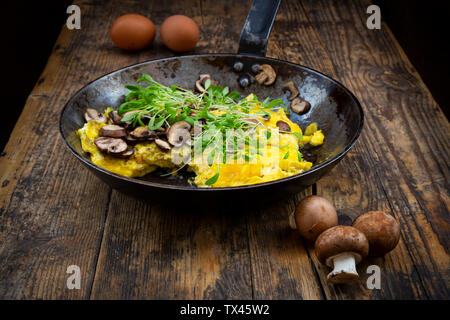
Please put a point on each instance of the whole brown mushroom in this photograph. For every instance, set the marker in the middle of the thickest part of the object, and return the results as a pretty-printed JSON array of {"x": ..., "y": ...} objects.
[
  {"x": 312, "y": 216},
  {"x": 381, "y": 230},
  {"x": 341, "y": 248}
]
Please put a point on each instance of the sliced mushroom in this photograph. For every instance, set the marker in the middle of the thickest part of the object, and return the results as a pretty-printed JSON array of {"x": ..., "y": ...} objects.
[
  {"x": 130, "y": 140},
  {"x": 129, "y": 112},
  {"x": 94, "y": 115},
  {"x": 111, "y": 145},
  {"x": 143, "y": 133},
  {"x": 292, "y": 89},
  {"x": 308, "y": 156},
  {"x": 283, "y": 126},
  {"x": 300, "y": 106},
  {"x": 266, "y": 75},
  {"x": 204, "y": 77},
  {"x": 163, "y": 145},
  {"x": 253, "y": 121},
  {"x": 113, "y": 131},
  {"x": 178, "y": 133},
  {"x": 161, "y": 134},
  {"x": 126, "y": 154},
  {"x": 115, "y": 118},
  {"x": 199, "y": 87},
  {"x": 200, "y": 83},
  {"x": 127, "y": 124}
]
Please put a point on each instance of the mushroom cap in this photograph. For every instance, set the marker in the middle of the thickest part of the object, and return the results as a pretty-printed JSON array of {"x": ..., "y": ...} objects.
[
  {"x": 111, "y": 145},
  {"x": 340, "y": 239},
  {"x": 142, "y": 133},
  {"x": 113, "y": 131},
  {"x": 381, "y": 230},
  {"x": 300, "y": 106},
  {"x": 292, "y": 89},
  {"x": 126, "y": 154},
  {"x": 178, "y": 133},
  {"x": 314, "y": 215},
  {"x": 115, "y": 118},
  {"x": 94, "y": 115},
  {"x": 283, "y": 126},
  {"x": 163, "y": 145}
]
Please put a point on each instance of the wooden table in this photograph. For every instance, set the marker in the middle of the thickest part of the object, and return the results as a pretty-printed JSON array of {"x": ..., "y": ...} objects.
[{"x": 54, "y": 213}]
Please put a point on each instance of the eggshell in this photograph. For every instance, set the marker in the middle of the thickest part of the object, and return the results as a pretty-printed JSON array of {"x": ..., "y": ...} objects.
[
  {"x": 132, "y": 32},
  {"x": 180, "y": 33}
]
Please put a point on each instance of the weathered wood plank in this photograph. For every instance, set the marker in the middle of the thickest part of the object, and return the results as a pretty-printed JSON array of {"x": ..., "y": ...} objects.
[
  {"x": 168, "y": 253},
  {"x": 53, "y": 210},
  {"x": 403, "y": 152},
  {"x": 279, "y": 263},
  {"x": 155, "y": 252},
  {"x": 148, "y": 251}
]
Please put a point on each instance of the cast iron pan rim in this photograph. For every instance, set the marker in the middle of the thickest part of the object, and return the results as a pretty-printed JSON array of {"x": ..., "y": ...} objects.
[{"x": 263, "y": 184}]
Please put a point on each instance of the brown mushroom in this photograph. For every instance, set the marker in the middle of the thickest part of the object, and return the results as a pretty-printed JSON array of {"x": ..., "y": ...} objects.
[
  {"x": 163, "y": 145},
  {"x": 161, "y": 134},
  {"x": 113, "y": 131},
  {"x": 292, "y": 89},
  {"x": 300, "y": 106},
  {"x": 127, "y": 124},
  {"x": 94, "y": 115},
  {"x": 126, "y": 154},
  {"x": 341, "y": 248},
  {"x": 111, "y": 145},
  {"x": 283, "y": 126},
  {"x": 381, "y": 230},
  {"x": 178, "y": 133},
  {"x": 130, "y": 140},
  {"x": 313, "y": 216},
  {"x": 115, "y": 118},
  {"x": 143, "y": 133},
  {"x": 199, "y": 87},
  {"x": 266, "y": 75},
  {"x": 200, "y": 83}
]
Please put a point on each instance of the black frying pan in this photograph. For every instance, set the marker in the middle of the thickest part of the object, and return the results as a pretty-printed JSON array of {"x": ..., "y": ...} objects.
[{"x": 335, "y": 109}]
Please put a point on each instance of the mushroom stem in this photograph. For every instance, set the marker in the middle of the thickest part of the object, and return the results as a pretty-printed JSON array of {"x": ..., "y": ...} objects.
[{"x": 344, "y": 268}]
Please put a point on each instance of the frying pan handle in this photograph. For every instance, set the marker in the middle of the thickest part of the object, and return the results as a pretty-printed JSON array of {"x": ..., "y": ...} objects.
[{"x": 257, "y": 26}]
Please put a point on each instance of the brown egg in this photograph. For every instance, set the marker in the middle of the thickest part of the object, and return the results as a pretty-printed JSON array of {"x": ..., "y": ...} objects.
[
  {"x": 180, "y": 33},
  {"x": 132, "y": 32}
]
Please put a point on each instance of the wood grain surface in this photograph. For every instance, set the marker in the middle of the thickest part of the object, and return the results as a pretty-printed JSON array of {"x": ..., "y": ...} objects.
[{"x": 54, "y": 213}]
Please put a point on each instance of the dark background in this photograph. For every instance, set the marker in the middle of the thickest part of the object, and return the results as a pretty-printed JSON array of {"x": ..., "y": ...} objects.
[{"x": 29, "y": 31}]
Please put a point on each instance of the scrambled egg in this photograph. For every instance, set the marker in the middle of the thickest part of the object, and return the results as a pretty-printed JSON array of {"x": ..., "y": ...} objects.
[
  {"x": 278, "y": 158},
  {"x": 133, "y": 167}
]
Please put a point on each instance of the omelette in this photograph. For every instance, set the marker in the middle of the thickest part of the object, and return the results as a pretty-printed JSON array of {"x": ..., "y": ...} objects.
[{"x": 256, "y": 142}]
